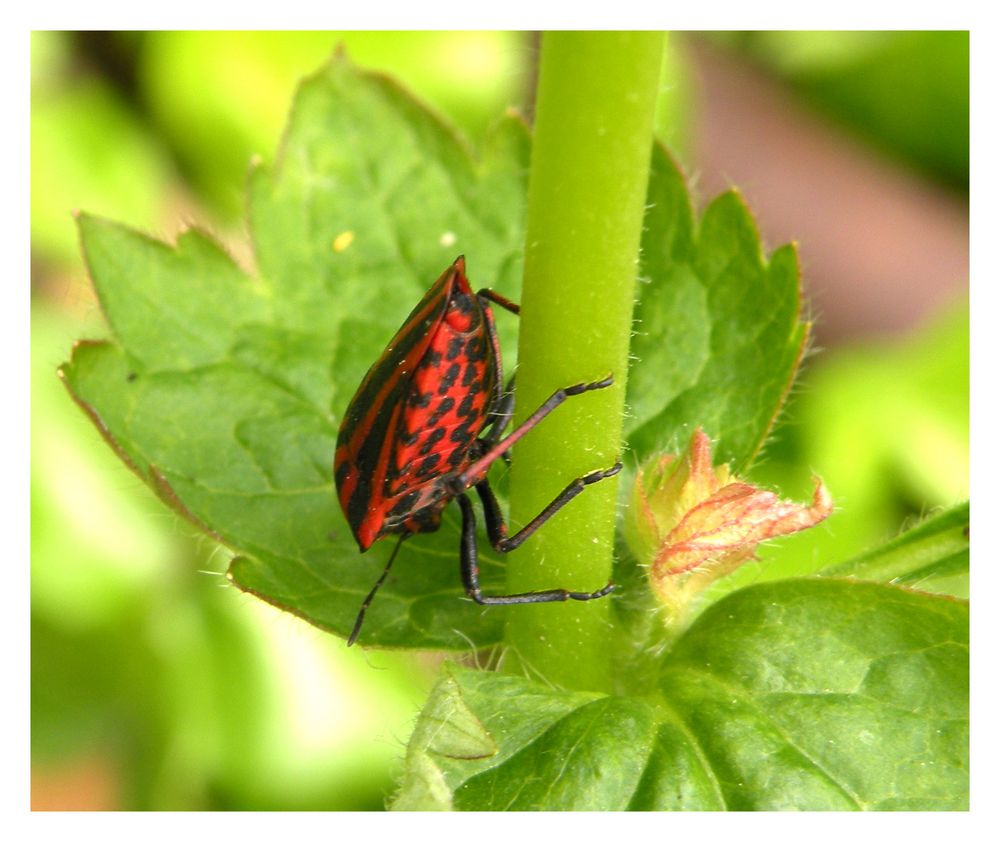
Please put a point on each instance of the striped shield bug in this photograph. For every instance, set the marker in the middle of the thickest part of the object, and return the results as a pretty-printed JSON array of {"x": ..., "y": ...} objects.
[{"x": 424, "y": 427}]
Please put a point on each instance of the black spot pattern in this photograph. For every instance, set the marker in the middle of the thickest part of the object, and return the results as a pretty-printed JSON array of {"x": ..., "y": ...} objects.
[
  {"x": 462, "y": 303},
  {"x": 443, "y": 409},
  {"x": 419, "y": 399},
  {"x": 428, "y": 464},
  {"x": 469, "y": 375},
  {"x": 465, "y": 407},
  {"x": 462, "y": 434},
  {"x": 404, "y": 504},
  {"x": 436, "y": 435},
  {"x": 449, "y": 378},
  {"x": 454, "y": 348},
  {"x": 475, "y": 349}
]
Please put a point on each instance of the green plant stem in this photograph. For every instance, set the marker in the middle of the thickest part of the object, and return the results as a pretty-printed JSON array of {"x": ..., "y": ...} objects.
[{"x": 587, "y": 189}]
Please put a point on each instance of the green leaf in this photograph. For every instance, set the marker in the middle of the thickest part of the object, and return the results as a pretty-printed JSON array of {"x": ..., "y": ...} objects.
[
  {"x": 718, "y": 336},
  {"x": 194, "y": 83},
  {"x": 224, "y": 391},
  {"x": 933, "y": 556},
  {"x": 804, "y": 694},
  {"x": 886, "y": 425}
]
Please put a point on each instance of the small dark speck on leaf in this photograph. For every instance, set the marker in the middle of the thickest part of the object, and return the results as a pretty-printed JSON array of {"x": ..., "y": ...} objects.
[
  {"x": 331, "y": 535},
  {"x": 131, "y": 376}
]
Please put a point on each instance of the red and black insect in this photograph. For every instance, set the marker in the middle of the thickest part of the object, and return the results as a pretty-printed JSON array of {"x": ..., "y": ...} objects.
[{"x": 425, "y": 426}]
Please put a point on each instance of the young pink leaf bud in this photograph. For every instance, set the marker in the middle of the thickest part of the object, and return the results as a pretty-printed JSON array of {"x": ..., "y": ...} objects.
[{"x": 693, "y": 523}]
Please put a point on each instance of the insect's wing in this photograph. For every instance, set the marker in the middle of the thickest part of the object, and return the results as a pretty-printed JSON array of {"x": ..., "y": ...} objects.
[{"x": 369, "y": 425}]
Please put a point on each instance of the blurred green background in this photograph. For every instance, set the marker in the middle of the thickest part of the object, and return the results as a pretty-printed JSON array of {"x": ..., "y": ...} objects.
[{"x": 155, "y": 685}]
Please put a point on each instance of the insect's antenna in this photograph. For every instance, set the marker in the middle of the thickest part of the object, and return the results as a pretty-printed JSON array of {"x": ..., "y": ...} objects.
[{"x": 368, "y": 599}]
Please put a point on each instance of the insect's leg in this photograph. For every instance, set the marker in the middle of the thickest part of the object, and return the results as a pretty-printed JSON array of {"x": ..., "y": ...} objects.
[
  {"x": 500, "y": 300},
  {"x": 470, "y": 570},
  {"x": 477, "y": 470},
  {"x": 496, "y": 526},
  {"x": 371, "y": 595},
  {"x": 497, "y": 529},
  {"x": 502, "y": 409},
  {"x": 503, "y": 399},
  {"x": 500, "y": 418},
  {"x": 501, "y": 402}
]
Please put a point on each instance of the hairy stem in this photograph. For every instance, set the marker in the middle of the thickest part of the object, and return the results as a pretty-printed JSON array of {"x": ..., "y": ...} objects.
[{"x": 587, "y": 188}]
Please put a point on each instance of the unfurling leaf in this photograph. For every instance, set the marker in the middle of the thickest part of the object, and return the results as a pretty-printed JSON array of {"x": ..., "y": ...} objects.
[{"x": 692, "y": 522}]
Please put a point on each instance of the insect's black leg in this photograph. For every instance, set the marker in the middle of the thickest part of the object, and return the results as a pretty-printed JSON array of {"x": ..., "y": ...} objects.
[
  {"x": 496, "y": 526},
  {"x": 502, "y": 409},
  {"x": 475, "y": 472},
  {"x": 502, "y": 301},
  {"x": 497, "y": 529},
  {"x": 371, "y": 595},
  {"x": 500, "y": 419},
  {"x": 470, "y": 570}
]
